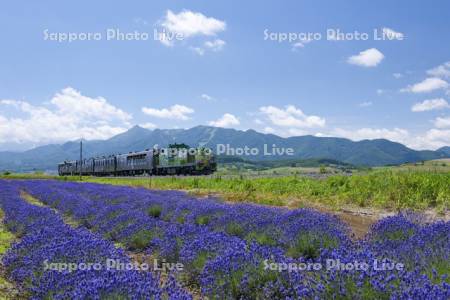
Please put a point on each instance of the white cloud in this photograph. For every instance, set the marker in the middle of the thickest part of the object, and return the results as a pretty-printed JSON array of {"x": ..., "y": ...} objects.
[
  {"x": 215, "y": 45},
  {"x": 70, "y": 101},
  {"x": 427, "y": 85},
  {"x": 300, "y": 44},
  {"x": 442, "y": 122},
  {"x": 440, "y": 71},
  {"x": 397, "y": 75},
  {"x": 431, "y": 139},
  {"x": 177, "y": 112},
  {"x": 430, "y": 104},
  {"x": 70, "y": 116},
  {"x": 396, "y": 134},
  {"x": 365, "y": 104},
  {"x": 269, "y": 130},
  {"x": 295, "y": 132},
  {"x": 186, "y": 24},
  {"x": 368, "y": 58},
  {"x": 189, "y": 23},
  {"x": 148, "y": 125},
  {"x": 297, "y": 45},
  {"x": 380, "y": 91},
  {"x": 207, "y": 97},
  {"x": 200, "y": 51},
  {"x": 392, "y": 34},
  {"x": 436, "y": 138},
  {"x": 227, "y": 120},
  {"x": 167, "y": 39},
  {"x": 291, "y": 117}
]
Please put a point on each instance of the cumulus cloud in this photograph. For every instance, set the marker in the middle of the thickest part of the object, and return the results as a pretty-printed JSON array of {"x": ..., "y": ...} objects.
[
  {"x": 397, "y": 75},
  {"x": 227, "y": 120},
  {"x": 392, "y": 34},
  {"x": 269, "y": 130},
  {"x": 442, "y": 122},
  {"x": 291, "y": 116},
  {"x": 431, "y": 104},
  {"x": 368, "y": 58},
  {"x": 440, "y": 71},
  {"x": 177, "y": 112},
  {"x": 148, "y": 125},
  {"x": 190, "y": 23},
  {"x": 428, "y": 85},
  {"x": 436, "y": 138},
  {"x": 187, "y": 24},
  {"x": 431, "y": 139},
  {"x": 396, "y": 134},
  {"x": 70, "y": 101},
  {"x": 70, "y": 116}
]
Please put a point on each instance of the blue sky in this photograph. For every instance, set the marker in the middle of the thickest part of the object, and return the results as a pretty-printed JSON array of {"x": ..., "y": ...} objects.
[{"x": 224, "y": 71}]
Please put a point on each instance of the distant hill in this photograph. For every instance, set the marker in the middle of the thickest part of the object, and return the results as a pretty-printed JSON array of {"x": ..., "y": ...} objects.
[
  {"x": 367, "y": 152},
  {"x": 445, "y": 150}
]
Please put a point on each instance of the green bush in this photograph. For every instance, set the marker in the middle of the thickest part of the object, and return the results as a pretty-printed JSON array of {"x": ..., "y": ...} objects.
[
  {"x": 308, "y": 244},
  {"x": 141, "y": 239},
  {"x": 202, "y": 220},
  {"x": 154, "y": 211}
]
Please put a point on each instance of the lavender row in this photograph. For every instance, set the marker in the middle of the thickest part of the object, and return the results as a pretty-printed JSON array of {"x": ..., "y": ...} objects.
[
  {"x": 45, "y": 241},
  {"x": 226, "y": 248}
]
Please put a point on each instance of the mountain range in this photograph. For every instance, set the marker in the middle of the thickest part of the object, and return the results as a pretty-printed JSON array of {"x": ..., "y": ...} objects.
[{"x": 366, "y": 152}]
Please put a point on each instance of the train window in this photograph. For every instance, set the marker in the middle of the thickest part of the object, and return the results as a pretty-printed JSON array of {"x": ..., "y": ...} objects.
[{"x": 136, "y": 157}]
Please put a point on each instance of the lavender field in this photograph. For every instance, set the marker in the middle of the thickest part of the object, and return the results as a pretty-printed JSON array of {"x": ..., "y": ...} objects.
[{"x": 92, "y": 241}]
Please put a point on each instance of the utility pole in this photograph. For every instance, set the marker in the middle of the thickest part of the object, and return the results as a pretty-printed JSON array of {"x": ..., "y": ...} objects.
[{"x": 81, "y": 159}]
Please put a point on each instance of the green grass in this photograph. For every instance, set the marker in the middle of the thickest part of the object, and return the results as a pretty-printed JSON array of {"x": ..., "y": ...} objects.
[
  {"x": 436, "y": 165},
  {"x": 6, "y": 237},
  {"x": 7, "y": 289}
]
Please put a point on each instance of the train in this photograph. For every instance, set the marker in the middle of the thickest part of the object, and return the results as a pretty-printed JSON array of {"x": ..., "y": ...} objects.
[{"x": 177, "y": 159}]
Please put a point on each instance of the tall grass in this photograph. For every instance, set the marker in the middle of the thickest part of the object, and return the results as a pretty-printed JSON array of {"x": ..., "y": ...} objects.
[{"x": 384, "y": 188}]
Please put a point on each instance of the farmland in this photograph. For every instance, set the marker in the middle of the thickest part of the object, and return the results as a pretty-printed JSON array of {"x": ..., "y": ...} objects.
[
  {"x": 227, "y": 251},
  {"x": 392, "y": 189}
]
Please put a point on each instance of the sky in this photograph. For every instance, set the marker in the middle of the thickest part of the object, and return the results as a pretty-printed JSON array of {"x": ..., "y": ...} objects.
[{"x": 353, "y": 69}]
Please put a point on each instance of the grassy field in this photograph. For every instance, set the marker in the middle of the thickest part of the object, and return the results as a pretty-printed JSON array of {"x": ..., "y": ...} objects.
[
  {"x": 437, "y": 165},
  {"x": 391, "y": 189},
  {"x": 7, "y": 289}
]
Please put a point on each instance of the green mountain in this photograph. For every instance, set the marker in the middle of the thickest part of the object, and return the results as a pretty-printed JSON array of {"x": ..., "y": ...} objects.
[{"x": 367, "y": 152}]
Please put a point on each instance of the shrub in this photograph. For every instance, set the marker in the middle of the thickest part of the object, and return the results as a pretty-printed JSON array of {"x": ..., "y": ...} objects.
[
  {"x": 234, "y": 228},
  {"x": 202, "y": 220},
  {"x": 309, "y": 244},
  {"x": 154, "y": 211},
  {"x": 140, "y": 240}
]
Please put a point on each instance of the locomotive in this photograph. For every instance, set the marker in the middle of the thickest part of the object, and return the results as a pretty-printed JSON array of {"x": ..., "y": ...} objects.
[{"x": 177, "y": 159}]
